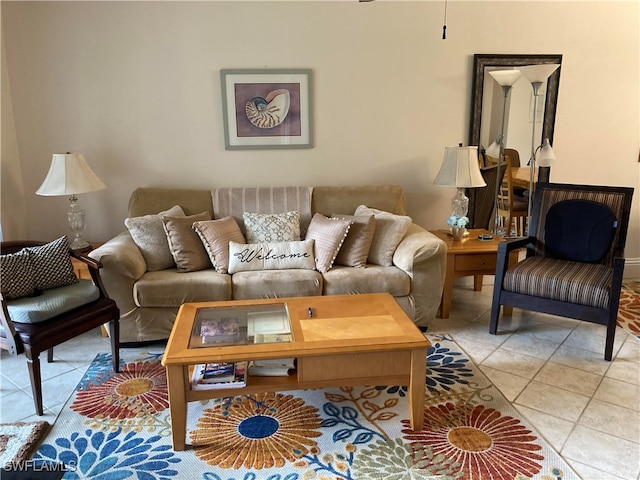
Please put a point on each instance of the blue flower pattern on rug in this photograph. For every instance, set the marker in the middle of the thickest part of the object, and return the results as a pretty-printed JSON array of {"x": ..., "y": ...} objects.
[
  {"x": 446, "y": 367},
  {"x": 100, "y": 456},
  {"x": 359, "y": 428}
]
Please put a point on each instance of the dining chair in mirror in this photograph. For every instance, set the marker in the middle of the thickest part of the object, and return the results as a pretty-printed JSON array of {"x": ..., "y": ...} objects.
[{"x": 511, "y": 209}]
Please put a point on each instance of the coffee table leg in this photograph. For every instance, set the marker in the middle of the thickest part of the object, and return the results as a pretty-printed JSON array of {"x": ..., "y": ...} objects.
[
  {"x": 177, "y": 406},
  {"x": 417, "y": 385}
]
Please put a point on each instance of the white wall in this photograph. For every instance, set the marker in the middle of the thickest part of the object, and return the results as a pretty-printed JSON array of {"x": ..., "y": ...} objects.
[{"x": 135, "y": 86}]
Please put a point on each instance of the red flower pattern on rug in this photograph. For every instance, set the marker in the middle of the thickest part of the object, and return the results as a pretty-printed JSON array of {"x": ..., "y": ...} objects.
[
  {"x": 629, "y": 308},
  {"x": 484, "y": 442},
  {"x": 137, "y": 393}
]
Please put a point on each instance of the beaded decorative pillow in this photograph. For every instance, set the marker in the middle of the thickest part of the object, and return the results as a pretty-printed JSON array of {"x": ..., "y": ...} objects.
[{"x": 328, "y": 235}]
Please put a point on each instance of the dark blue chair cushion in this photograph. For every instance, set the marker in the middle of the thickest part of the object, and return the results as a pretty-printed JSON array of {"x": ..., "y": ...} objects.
[{"x": 579, "y": 230}]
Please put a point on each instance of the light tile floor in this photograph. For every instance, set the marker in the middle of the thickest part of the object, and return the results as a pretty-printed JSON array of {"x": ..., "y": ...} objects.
[{"x": 551, "y": 369}]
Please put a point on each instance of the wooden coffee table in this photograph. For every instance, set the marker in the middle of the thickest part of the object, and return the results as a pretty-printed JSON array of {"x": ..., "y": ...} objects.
[
  {"x": 348, "y": 340},
  {"x": 469, "y": 257}
]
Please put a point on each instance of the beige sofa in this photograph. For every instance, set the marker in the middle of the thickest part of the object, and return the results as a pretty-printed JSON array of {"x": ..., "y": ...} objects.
[{"x": 149, "y": 300}]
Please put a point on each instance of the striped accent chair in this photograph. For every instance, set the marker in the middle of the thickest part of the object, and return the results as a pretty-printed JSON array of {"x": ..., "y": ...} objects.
[{"x": 574, "y": 256}]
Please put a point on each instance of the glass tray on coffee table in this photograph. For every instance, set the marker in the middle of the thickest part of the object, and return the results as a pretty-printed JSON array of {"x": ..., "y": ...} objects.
[{"x": 241, "y": 325}]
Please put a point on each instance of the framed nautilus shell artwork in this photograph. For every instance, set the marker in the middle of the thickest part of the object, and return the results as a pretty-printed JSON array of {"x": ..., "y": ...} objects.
[{"x": 266, "y": 108}]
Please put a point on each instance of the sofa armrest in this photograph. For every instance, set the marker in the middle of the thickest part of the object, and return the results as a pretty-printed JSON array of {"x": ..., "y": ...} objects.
[
  {"x": 423, "y": 256},
  {"x": 122, "y": 265}
]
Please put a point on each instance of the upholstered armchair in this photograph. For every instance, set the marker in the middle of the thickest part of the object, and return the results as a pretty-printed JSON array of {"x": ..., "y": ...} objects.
[
  {"x": 43, "y": 304},
  {"x": 574, "y": 259}
]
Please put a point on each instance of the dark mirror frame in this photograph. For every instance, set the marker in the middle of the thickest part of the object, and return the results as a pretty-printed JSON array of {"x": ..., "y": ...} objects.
[{"x": 480, "y": 62}]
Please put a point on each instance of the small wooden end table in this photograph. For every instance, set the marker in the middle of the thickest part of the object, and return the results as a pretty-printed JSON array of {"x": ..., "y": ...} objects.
[{"x": 467, "y": 257}]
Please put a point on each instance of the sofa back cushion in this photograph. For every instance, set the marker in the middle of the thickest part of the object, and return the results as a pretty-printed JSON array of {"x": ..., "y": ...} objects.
[
  {"x": 151, "y": 201},
  {"x": 235, "y": 201},
  {"x": 345, "y": 199}
]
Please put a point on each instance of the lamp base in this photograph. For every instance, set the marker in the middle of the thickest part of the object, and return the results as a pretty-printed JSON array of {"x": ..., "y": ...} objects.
[
  {"x": 79, "y": 244},
  {"x": 75, "y": 216},
  {"x": 460, "y": 203}
]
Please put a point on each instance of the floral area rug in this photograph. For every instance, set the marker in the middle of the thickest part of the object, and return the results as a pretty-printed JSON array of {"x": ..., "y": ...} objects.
[
  {"x": 629, "y": 308},
  {"x": 117, "y": 426}
]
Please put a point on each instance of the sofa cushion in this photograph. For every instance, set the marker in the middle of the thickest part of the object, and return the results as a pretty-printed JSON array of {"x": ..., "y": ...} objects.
[
  {"x": 52, "y": 265},
  {"x": 276, "y": 284},
  {"x": 170, "y": 288},
  {"x": 16, "y": 275},
  {"x": 270, "y": 256},
  {"x": 52, "y": 302},
  {"x": 390, "y": 229},
  {"x": 148, "y": 234},
  {"x": 355, "y": 248},
  {"x": 271, "y": 227},
  {"x": 184, "y": 243},
  {"x": 345, "y": 198},
  {"x": 215, "y": 236},
  {"x": 341, "y": 280},
  {"x": 576, "y": 282}
]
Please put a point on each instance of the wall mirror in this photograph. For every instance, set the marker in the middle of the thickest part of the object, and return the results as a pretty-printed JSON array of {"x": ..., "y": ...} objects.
[{"x": 487, "y": 103}]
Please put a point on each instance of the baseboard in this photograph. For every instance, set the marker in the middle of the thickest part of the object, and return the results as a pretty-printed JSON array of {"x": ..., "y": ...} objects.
[{"x": 632, "y": 269}]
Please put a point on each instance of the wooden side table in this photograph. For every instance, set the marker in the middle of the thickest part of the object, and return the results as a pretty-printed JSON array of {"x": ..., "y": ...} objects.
[
  {"x": 80, "y": 268},
  {"x": 467, "y": 257}
]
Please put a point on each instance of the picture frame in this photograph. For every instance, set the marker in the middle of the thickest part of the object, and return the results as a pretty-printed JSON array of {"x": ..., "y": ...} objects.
[{"x": 266, "y": 108}]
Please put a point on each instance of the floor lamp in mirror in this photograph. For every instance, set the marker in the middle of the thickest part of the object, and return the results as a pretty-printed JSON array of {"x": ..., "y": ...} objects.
[{"x": 506, "y": 79}]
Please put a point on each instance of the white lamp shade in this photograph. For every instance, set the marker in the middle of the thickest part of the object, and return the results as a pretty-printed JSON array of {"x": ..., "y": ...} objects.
[
  {"x": 546, "y": 154},
  {"x": 538, "y": 73},
  {"x": 69, "y": 174},
  {"x": 506, "y": 78},
  {"x": 460, "y": 168}
]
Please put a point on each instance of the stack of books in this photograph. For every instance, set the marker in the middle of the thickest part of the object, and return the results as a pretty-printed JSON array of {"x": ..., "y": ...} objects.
[
  {"x": 210, "y": 376},
  {"x": 278, "y": 367}
]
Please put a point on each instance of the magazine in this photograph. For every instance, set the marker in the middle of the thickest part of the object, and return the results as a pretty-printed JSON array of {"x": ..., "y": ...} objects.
[
  {"x": 220, "y": 330},
  {"x": 218, "y": 375}
]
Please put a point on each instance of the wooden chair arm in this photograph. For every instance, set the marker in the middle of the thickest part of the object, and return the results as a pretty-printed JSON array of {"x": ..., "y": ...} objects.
[
  {"x": 506, "y": 247},
  {"x": 8, "y": 339},
  {"x": 91, "y": 262},
  {"x": 94, "y": 270}
]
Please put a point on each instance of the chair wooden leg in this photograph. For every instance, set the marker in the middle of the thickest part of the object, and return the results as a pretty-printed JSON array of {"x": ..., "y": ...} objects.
[
  {"x": 114, "y": 330},
  {"x": 50, "y": 355},
  {"x": 611, "y": 336},
  {"x": 33, "y": 362},
  {"x": 495, "y": 314}
]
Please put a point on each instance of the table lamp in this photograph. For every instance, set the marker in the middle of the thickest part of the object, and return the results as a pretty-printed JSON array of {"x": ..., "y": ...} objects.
[
  {"x": 69, "y": 174},
  {"x": 460, "y": 169}
]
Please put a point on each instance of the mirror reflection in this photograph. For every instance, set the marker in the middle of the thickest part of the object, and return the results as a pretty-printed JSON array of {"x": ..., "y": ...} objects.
[
  {"x": 486, "y": 96},
  {"x": 487, "y": 103}
]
